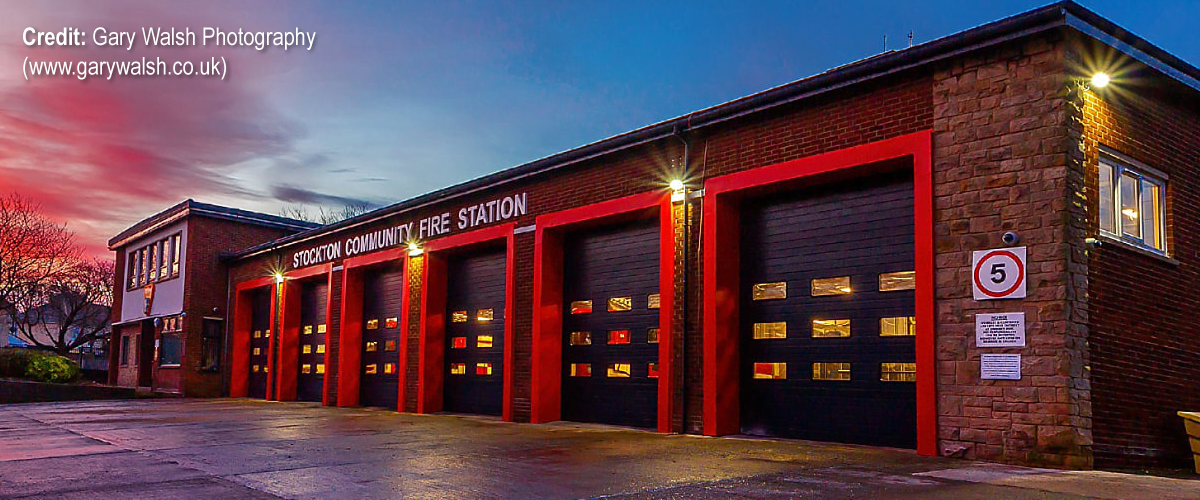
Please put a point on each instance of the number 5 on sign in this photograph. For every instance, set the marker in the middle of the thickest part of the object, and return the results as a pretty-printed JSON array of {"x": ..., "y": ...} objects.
[{"x": 998, "y": 273}]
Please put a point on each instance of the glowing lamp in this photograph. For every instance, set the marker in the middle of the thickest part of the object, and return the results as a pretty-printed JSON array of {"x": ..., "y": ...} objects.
[
  {"x": 414, "y": 249},
  {"x": 677, "y": 185},
  {"x": 1100, "y": 79},
  {"x": 278, "y": 277}
]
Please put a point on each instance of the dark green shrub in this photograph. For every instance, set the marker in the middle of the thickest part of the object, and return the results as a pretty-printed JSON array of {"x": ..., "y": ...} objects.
[
  {"x": 14, "y": 362},
  {"x": 52, "y": 368}
]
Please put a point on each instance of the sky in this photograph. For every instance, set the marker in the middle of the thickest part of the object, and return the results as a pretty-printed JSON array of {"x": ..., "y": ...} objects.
[{"x": 398, "y": 98}]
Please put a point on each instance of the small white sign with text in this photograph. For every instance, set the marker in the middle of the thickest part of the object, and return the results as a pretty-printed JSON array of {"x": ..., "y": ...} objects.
[
  {"x": 1000, "y": 330},
  {"x": 1000, "y": 366}
]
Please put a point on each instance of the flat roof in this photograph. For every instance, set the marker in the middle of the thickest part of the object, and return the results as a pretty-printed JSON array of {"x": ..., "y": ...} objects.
[
  {"x": 1050, "y": 17},
  {"x": 192, "y": 207}
]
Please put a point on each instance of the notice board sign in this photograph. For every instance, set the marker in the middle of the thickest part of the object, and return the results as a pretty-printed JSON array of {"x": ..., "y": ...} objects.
[
  {"x": 1000, "y": 330},
  {"x": 1000, "y": 366},
  {"x": 998, "y": 273}
]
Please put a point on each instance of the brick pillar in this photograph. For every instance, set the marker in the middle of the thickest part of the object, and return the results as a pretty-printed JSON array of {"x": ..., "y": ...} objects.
[
  {"x": 1005, "y": 160},
  {"x": 415, "y": 272}
]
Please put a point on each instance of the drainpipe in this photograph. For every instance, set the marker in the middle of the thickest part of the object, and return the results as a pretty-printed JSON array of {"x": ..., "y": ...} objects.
[{"x": 687, "y": 237}]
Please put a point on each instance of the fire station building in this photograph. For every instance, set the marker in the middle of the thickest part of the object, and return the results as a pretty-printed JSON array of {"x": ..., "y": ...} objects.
[{"x": 979, "y": 246}]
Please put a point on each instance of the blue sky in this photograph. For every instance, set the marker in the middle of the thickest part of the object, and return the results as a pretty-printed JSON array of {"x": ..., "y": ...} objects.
[{"x": 400, "y": 98}]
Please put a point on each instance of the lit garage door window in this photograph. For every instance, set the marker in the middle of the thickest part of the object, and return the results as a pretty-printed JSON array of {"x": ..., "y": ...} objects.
[
  {"x": 619, "y": 370},
  {"x": 619, "y": 337},
  {"x": 901, "y": 326},
  {"x": 581, "y": 307},
  {"x": 616, "y": 304},
  {"x": 483, "y": 368},
  {"x": 903, "y": 280},
  {"x": 769, "y": 291},
  {"x": 831, "y": 286},
  {"x": 777, "y": 371},
  {"x": 485, "y": 315},
  {"x": 458, "y": 317},
  {"x": 581, "y": 338},
  {"x": 484, "y": 341},
  {"x": 581, "y": 369},
  {"x": 653, "y": 301},
  {"x": 831, "y": 371},
  {"x": 830, "y": 328},
  {"x": 898, "y": 372},
  {"x": 776, "y": 330},
  {"x": 458, "y": 368}
]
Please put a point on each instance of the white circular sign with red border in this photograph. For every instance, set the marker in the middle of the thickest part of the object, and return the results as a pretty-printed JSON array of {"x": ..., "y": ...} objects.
[{"x": 998, "y": 273}]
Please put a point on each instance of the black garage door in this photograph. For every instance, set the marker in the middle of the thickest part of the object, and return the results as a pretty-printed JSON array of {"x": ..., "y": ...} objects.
[
  {"x": 382, "y": 295},
  {"x": 827, "y": 347},
  {"x": 475, "y": 333},
  {"x": 610, "y": 326},
  {"x": 260, "y": 340},
  {"x": 314, "y": 295}
]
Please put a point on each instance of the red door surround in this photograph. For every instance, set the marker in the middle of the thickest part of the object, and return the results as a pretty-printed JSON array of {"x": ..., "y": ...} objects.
[
  {"x": 546, "y": 381},
  {"x": 721, "y": 267},
  {"x": 289, "y": 331},
  {"x": 243, "y": 317},
  {"x": 350, "y": 329},
  {"x": 430, "y": 356}
]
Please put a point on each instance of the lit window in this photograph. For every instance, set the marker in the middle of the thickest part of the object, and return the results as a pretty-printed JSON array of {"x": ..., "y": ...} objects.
[
  {"x": 777, "y": 330},
  {"x": 616, "y": 304},
  {"x": 831, "y": 286},
  {"x": 618, "y": 370},
  {"x": 898, "y": 372},
  {"x": 831, "y": 371},
  {"x": 458, "y": 317},
  {"x": 581, "y": 338},
  {"x": 175, "y": 255},
  {"x": 164, "y": 266},
  {"x": 769, "y": 291},
  {"x": 257, "y": 351},
  {"x": 901, "y": 326},
  {"x": 830, "y": 328},
  {"x": 484, "y": 315},
  {"x": 652, "y": 370},
  {"x": 306, "y": 368},
  {"x": 320, "y": 348},
  {"x": 653, "y": 301},
  {"x": 266, "y": 369},
  {"x": 902, "y": 280},
  {"x": 389, "y": 345},
  {"x": 372, "y": 346},
  {"x": 267, "y": 333},
  {"x": 484, "y": 341},
  {"x": 320, "y": 328},
  {"x": 320, "y": 368},
  {"x": 372, "y": 324},
  {"x": 581, "y": 307},
  {"x": 372, "y": 369},
  {"x": 458, "y": 368},
  {"x": 619, "y": 336},
  {"x": 391, "y": 322},
  {"x": 308, "y": 330},
  {"x": 581, "y": 369},
  {"x": 389, "y": 368},
  {"x": 254, "y": 368},
  {"x": 1132, "y": 203},
  {"x": 652, "y": 336},
  {"x": 777, "y": 371},
  {"x": 483, "y": 368},
  {"x": 458, "y": 343},
  {"x": 258, "y": 334},
  {"x": 307, "y": 349}
]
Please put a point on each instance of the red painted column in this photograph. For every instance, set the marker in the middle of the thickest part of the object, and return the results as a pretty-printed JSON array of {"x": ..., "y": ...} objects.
[
  {"x": 288, "y": 369},
  {"x": 666, "y": 315},
  {"x": 273, "y": 343},
  {"x": 927, "y": 427},
  {"x": 433, "y": 334},
  {"x": 350, "y": 337},
  {"x": 545, "y": 376},
  {"x": 329, "y": 308},
  {"x": 405, "y": 326},
  {"x": 510, "y": 314},
  {"x": 721, "y": 282},
  {"x": 239, "y": 355}
]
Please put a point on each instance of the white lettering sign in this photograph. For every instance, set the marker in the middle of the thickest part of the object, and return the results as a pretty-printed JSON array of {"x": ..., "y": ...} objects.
[
  {"x": 433, "y": 226},
  {"x": 1000, "y": 330},
  {"x": 1000, "y": 366}
]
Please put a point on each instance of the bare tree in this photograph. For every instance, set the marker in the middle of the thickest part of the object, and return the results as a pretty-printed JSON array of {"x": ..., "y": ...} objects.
[
  {"x": 34, "y": 251},
  {"x": 70, "y": 312},
  {"x": 323, "y": 216}
]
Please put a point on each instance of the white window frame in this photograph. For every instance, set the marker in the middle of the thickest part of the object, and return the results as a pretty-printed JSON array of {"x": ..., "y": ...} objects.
[{"x": 1121, "y": 165}]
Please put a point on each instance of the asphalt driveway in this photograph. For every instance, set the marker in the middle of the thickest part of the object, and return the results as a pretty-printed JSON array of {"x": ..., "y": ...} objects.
[{"x": 164, "y": 449}]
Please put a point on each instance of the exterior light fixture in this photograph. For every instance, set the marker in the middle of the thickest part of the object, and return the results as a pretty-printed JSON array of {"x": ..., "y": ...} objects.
[
  {"x": 414, "y": 249},
  {"x": 676, "y": 185},
  {"x": 1100, "y": 79},
  {"x": 278, "y": 277}
]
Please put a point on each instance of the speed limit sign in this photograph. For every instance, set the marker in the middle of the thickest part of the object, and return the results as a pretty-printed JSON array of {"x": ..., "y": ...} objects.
[{"x": 998, "y": 273}]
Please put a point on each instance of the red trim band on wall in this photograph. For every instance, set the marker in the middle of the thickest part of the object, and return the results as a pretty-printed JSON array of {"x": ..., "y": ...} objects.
[
  {"x": 721, "y": 272},
  {"x": 546, "y": 373},
  {"x": 431, "y": 351}
]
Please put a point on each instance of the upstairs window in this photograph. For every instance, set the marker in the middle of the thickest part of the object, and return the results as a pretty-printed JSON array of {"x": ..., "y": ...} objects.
[{"x": 1133, "y": 203}]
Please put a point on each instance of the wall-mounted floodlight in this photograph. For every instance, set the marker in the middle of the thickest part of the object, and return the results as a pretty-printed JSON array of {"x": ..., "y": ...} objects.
[
  {"x": 414, "y": 249},
  {"x": 1100, "y": 79}
]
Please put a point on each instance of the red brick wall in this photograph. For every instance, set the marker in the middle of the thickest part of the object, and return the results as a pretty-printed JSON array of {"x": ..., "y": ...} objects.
[
  {"x": 1002, "y": 161},
  {"x": 206, "y": 287},
  {"x": 114, "y": 344},
  {"x": 1145, "y": 346}
]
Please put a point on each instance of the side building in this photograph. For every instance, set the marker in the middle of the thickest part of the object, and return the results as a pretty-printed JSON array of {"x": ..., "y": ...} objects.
[{"x": 169, "y": 307}]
